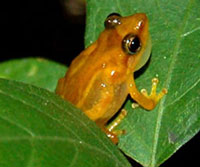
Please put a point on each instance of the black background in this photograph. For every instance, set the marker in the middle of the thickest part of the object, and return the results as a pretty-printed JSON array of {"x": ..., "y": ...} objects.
[{"x": 41, "y": 29}]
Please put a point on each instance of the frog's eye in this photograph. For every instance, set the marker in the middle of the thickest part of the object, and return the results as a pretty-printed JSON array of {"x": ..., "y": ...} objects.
[
  {"x": 112, "y": 20},
  {"x": 131, "y": 44}
]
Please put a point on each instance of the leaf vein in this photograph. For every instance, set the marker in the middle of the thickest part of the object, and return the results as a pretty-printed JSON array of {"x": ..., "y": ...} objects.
[
  {"x": 30, "y": 105},
  {"x": 60, "y": 107},
  {"x": 18, "y": 125},
  {"x": 184, "y": 93},
  {"x": 167, "y": 83}
]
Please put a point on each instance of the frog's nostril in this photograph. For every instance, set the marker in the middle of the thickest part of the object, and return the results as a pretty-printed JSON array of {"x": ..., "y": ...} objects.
[{"x": 140, "y": 24}]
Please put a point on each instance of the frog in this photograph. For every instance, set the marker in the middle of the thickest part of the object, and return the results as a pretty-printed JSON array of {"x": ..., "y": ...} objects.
[{"x": 101, "y": 77}]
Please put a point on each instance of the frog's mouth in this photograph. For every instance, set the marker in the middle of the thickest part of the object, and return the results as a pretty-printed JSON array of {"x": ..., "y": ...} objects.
[{"x": 144, "y": 58}]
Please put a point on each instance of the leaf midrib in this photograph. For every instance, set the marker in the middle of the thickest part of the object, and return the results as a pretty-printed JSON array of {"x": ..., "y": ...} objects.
[{"x": 167, "y": 84}]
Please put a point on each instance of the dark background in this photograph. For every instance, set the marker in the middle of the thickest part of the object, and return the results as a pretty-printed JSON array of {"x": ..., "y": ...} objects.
[
  {"x": 39, "y": 28},
  {"x": 42, "y": 29}
]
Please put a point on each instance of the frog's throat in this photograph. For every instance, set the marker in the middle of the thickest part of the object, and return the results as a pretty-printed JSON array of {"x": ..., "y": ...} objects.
[{"x": 145, "y": 56}]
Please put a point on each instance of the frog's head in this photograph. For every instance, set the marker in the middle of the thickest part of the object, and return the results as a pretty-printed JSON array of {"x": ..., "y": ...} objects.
[{"x": 135, "y": 39}]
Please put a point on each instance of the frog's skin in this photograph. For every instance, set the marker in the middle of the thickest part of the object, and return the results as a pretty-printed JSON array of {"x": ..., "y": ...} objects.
[{"x": 100, "y": 77}]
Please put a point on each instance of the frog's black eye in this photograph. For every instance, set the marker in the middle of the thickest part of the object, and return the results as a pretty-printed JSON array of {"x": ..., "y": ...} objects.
[
  {"x": 131, "y": 44},
  {"x": 112, "y": 20},
  {"x": 114, "y": 14}
]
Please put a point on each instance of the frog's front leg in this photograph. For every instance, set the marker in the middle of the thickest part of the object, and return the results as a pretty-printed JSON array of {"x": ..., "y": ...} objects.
[{"x": 142, "y": 98}]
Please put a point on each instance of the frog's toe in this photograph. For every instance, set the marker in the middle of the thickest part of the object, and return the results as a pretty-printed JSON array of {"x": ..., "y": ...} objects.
[
  {"x": 153, "y": 95},
  {"x": 144, "y": 92},
  {"x": 134, "y": 105}
]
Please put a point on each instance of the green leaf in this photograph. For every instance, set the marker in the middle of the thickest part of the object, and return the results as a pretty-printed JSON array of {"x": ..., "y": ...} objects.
[
  {"x": 38, "y": 128},
  {"x": 152, "y": 137},
  {"x": 39, "y": 72}
]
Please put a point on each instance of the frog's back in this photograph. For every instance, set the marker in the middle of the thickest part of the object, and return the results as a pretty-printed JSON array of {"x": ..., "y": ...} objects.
[
  {"x": 78, "y": 76},
  {"x": 90, "y": 86}
]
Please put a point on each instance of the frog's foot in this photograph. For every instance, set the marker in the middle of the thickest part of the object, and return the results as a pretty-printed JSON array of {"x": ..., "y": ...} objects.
[
  {"x": 153, "y": 95},
  {"x": 110, "y": 129}
]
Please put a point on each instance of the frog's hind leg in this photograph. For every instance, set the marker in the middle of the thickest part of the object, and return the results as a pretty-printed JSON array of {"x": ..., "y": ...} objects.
[
  {"x": 118, "y": 120},
  {"x": 110, "y": 129}
]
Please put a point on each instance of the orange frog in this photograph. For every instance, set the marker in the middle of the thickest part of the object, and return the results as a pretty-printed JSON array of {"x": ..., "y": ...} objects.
[{"x": 100, "y": 78}]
